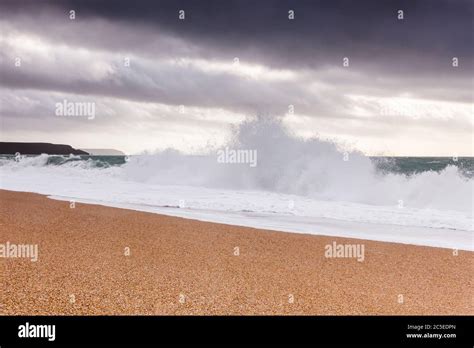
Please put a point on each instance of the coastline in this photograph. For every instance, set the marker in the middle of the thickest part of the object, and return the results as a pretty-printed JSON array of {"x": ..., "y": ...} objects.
[{"x": 182, "y": 266}]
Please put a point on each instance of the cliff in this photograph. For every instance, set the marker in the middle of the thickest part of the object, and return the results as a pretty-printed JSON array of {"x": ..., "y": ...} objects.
[{"x": 7, "y": 148}]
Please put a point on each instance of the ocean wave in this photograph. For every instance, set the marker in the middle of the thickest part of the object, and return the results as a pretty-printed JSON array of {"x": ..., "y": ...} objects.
[
  {"x": 312, "y": 168},
  {"x": 73, "y": 161},
  {"x": 284, "y": 164}
]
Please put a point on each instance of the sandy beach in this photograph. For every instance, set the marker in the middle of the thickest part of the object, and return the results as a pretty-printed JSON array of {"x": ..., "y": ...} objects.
[{"x": 96, "y": 260}]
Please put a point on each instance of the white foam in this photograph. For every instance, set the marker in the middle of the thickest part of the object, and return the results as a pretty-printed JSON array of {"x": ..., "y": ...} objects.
[{"x": 276, "y": 211}]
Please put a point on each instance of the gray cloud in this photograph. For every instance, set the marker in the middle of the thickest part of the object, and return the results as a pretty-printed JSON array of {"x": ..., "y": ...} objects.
[
  {"x": 388, "y": 58},
  {"x": 367, "y": 30}
]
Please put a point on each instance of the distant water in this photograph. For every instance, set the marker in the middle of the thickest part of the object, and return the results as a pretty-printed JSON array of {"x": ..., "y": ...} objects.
[
  {"x": 416, "y": 165},
  {"x": 57, "y": 160},
  {"x": 396, "y": 165}
]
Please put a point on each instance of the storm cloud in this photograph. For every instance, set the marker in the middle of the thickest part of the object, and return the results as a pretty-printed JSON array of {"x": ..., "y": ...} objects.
[{"x": 164, "y": 81}]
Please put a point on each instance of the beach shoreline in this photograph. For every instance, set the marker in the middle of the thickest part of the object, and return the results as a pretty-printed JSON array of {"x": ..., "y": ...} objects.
[{"x": 97, "y": 260}]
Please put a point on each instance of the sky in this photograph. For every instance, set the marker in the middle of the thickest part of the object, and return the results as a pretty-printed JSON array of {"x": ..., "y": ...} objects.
[{"x": 158, "y": 80}]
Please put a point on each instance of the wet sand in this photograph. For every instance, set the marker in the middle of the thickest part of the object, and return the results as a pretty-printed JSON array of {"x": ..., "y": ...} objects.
[{"x": 180, "y": 266}]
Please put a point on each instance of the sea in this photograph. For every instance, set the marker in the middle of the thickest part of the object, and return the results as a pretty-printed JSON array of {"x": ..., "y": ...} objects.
[{"x": 299, "y": 186}]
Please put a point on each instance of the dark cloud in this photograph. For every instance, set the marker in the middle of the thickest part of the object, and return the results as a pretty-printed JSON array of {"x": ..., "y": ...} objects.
[
  {"x": 388, "y": 58},
  {"x": 322, "y": 33}
]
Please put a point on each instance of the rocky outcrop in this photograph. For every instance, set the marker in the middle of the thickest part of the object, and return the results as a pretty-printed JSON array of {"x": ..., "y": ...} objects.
[{"x": 7, "y": 148}]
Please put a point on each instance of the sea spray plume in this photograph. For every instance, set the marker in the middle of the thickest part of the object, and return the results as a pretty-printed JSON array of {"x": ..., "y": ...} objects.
[
  {"x": 290, "y": 164},
  {"x": 286, "y": 164},
  {"x": 316, "y": 168},
  {"x": 308, "y": 167}
]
